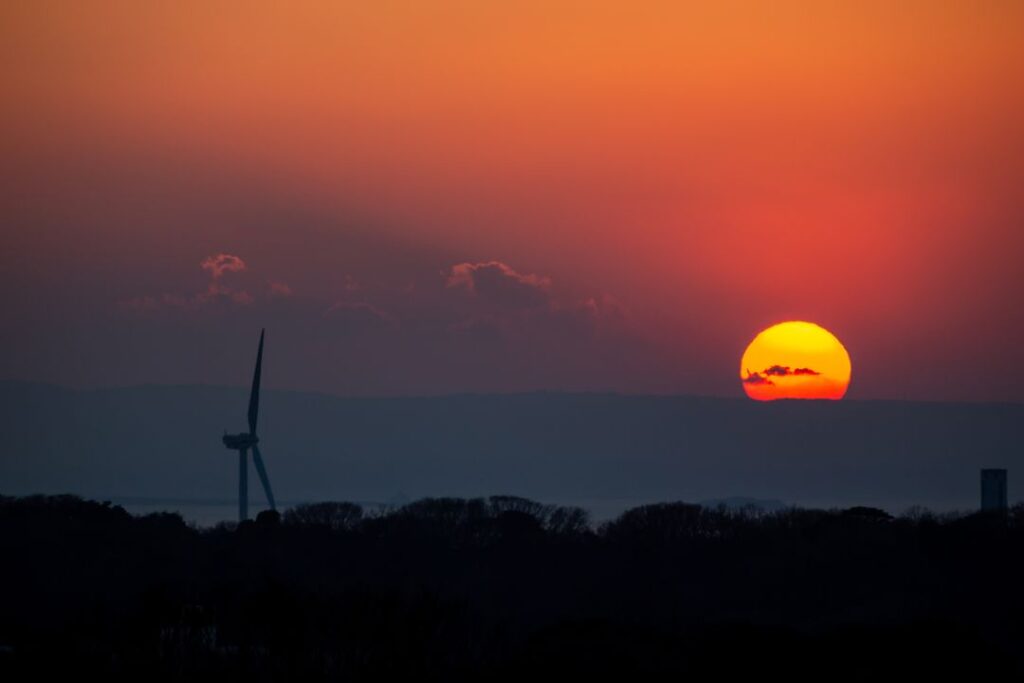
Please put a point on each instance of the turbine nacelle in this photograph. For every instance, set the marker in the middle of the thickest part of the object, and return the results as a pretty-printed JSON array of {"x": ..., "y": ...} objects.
[{"x": 240, "y": 442}]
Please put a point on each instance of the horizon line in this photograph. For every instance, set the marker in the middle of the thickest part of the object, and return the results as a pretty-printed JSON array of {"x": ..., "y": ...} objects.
[{"x": 509, "y": 394}]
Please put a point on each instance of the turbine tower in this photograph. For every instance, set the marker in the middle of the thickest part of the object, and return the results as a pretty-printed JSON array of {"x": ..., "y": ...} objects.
[{"x": 248, "y": 440}]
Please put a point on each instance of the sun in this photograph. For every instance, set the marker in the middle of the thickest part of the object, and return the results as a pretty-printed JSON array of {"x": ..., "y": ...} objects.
[{"x": 795, "y": 360}]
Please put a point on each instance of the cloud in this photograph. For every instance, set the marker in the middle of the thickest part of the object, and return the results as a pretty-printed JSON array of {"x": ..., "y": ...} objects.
[
  {"x": 604, "y": 307},
  {"x": 757, "y": 378},
  {"x": 217, "y": 266},
  {"x": 243, "y": 298},
  {"x": 497, "y": 302},
  {"x": 279, "y": 289},
  {"x": 222, "y": 263},
  {"x": 785, "y": 371},
  {"x": 499, "y": 283}
]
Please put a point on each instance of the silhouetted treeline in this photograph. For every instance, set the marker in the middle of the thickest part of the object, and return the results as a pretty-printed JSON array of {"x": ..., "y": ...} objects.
[{"x": 505, "y": 588}]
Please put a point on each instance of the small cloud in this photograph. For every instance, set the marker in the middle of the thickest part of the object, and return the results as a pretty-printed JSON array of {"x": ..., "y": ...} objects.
[
  {"x": 222, "y": 263},
  {"x": 216, "y": 290},
  {"x": 500, "y": 283},
  {"x": 757, "y": 378},
  {"x": 604, "y": 306},
  {"x": 280, "y": 289},
  {"x": 785, "y": 371}
]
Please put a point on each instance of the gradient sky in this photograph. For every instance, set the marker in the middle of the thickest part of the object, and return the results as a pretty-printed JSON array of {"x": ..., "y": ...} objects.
[{"x": 428, "y": 197}]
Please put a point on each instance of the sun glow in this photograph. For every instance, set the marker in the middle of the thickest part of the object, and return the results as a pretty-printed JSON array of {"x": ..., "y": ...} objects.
[{"x": 795, "y": 360}]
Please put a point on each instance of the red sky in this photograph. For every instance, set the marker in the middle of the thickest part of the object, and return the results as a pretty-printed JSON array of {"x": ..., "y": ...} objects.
[{"x": 452, "y": 196}]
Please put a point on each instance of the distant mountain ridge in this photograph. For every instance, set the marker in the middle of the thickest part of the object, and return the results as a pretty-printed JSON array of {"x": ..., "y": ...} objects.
[{"x": 588, "y": 449}]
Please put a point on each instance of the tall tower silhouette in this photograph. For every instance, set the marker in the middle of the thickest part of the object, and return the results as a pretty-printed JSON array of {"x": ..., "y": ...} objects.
[{"x": 993, "y": 490}]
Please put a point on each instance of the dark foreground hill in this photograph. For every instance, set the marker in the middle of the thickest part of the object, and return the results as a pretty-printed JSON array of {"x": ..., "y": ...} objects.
[
  {"x": 605, "y": 452},
  {"x": 507, "y": 589}
]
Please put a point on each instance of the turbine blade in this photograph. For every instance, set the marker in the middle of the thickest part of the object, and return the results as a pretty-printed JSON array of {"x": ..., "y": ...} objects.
[
  {"x": 257, "y": 460},
  {"x": 254, "y": 395}
]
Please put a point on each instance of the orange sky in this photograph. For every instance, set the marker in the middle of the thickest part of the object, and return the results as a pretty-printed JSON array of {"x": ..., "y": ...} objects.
[{"x": 712, "y": 170}]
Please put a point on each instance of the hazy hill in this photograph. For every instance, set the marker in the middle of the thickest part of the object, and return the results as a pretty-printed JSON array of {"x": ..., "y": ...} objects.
[{"x": 605, "y": 452}]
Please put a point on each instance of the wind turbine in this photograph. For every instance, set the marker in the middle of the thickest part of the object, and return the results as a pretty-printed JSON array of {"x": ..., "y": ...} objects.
[{"x": 247, "y": 440}]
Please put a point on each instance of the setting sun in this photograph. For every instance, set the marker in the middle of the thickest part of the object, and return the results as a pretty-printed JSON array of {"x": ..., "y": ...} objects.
[{"x": 795, "y": 360}]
